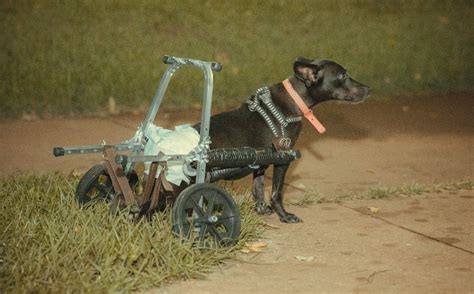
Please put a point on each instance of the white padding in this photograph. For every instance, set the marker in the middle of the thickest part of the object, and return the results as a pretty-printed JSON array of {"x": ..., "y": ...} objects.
[{"x": 180, "y": 141}]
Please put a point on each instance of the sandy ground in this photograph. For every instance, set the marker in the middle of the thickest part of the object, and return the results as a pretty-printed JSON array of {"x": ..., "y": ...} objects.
[{"x": 418, "y": 244}]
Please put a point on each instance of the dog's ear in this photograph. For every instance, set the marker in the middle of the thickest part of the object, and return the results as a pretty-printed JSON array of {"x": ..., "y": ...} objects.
[{"x": 306, "y": 70}]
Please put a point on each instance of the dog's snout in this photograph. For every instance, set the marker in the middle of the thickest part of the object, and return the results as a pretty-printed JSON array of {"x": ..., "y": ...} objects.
[
  {"x": 365, "y": 91},
  {"x": 358, "y": 93}
]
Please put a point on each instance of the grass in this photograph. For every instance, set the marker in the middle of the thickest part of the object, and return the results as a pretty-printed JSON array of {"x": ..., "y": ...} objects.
[
  {"x": 66, "y": 57},
  {"x": 382, "y": 192},
  {"x": 49, "y": 244}
]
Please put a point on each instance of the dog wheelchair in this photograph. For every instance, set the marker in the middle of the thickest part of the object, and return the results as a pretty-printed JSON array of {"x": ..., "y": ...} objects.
[{"x": 183, "y": 181}]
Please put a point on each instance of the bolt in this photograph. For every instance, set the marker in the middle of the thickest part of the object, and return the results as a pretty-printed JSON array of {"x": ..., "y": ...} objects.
[{"x": 212, "y": 219}]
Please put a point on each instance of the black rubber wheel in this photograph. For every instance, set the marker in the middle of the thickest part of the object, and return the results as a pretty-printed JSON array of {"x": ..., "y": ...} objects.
[
  {"x": 96, "y": 186},
  {"x": 206, "y": 212}
]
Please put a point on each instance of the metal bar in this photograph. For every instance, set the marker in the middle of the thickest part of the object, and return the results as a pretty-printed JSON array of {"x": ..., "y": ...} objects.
[
  {"x": 215, "y": 66},
  {"x": 175, "y": 63},
  {"x": 119, "y": 179},
  {"x": 205, "y": 119},
  {"x": 61, "y": 151},
  {"x": 155, "y": 195},
  {"x": 150, "y": 182},
  {"x": 123, "y": 159},
  {"x": 113, "y": 178},
  {"x": 160, "y": 93}
]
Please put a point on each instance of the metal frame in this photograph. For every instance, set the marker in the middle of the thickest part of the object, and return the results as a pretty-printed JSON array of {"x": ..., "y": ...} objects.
[
  {"x": 207, "y": 68},
  {"x": 137, "y": 143}
]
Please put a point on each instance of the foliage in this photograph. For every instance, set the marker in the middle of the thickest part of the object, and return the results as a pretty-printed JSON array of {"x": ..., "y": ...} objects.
[
  {"x": 49, "y": 244},
  {"x": 65, "y": 57}
]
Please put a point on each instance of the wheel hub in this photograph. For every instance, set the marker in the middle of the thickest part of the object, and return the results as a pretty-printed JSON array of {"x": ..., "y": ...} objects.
[{"x": 212, "y": 219}]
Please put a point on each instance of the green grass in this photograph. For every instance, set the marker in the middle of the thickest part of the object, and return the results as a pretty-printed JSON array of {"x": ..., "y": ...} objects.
[
  {"x": 65, "y": 57},
  {"x": 49, "y": 244},
  {"x": 381, "y": 192}
]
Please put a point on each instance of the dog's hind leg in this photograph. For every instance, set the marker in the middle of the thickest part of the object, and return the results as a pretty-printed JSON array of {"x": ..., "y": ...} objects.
[
  {"x": 279, "y": 172},
  {"x": 258, "y": 192}
]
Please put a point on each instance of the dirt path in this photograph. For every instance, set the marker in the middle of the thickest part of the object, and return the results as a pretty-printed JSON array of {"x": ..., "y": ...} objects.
[
  {"x": 356, "y": 252},
  {"x": 418, "y": 244}
]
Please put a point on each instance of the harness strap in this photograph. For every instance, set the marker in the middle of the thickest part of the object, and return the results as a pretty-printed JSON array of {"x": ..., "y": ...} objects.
[
  {"x": 308, "y": 113},
  {"x": 268, "y": 109}
]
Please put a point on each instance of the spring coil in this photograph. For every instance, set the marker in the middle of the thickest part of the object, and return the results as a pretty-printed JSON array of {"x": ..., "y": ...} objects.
[
  {"x": 227, "y": 173},
  {"x": 264, "y": 95},
  {"x": 246, "y": 156},
  {"x": 264, "y": 155},
  {"x": 283, "y": 131},
  {"x": 293, "y": 119},
  {"x": 254, "y": 106},
  {"x": 232, "y": 157}
]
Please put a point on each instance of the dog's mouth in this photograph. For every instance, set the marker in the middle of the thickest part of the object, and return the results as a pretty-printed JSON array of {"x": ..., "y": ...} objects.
[
  {"x": 359, "y": 96},
  {"x": 355, "y": 99}
]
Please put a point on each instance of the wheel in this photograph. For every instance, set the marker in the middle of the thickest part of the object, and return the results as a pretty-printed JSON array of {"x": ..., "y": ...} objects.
[
  {"x": 206, "y": 212},
  {"x": 96, "y": 186}
]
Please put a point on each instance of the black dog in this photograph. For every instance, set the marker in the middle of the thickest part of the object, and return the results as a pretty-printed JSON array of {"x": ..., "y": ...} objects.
[{"x": 315, "y": 82}]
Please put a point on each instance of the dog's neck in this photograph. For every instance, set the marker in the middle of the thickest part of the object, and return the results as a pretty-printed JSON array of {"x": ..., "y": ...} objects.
[
  {"x": 302, "y": 90},
  {"x": 283, "y": 99},
  {"x": 311, "y": 99}
]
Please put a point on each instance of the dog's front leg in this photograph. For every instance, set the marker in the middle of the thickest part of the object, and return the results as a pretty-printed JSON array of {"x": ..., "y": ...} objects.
[
  {"x": 258, "y": 192},
  {"x": 279, "y": 172}
]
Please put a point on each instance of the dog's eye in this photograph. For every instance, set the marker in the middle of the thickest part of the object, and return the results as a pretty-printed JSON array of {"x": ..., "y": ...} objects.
[{"x": 342, "y": 75}]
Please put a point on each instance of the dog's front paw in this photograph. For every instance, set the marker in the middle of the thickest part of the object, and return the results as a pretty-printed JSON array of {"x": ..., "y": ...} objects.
[
  {"x": 263, "y": 208},
  {"x": 290, "y": 218}
]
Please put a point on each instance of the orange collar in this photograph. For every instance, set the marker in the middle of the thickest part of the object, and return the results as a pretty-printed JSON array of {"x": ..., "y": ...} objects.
[{"x": 308, "y": 113}]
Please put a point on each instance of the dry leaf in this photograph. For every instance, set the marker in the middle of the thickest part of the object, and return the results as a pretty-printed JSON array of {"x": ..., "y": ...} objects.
[
  {"x": 374, "y": 209},
  {"x": 271, "y": 226},
  {"x": 304, "y": 258},
  {"x": 256, "y": 246},
  {"x": 75, "y": 173}
]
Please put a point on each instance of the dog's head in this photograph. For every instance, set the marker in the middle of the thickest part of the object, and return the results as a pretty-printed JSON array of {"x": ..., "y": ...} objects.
[{"x": 327, "y": 80}]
